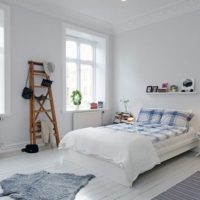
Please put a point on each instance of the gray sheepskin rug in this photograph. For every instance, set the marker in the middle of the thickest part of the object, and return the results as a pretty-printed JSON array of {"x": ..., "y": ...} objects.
[{"x": 44, "y": 186}]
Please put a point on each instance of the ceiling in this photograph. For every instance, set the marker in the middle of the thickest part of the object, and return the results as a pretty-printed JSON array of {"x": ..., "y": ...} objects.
[
  {"x": 115, "y": 14},
  {"x": 112, "y": 11}
]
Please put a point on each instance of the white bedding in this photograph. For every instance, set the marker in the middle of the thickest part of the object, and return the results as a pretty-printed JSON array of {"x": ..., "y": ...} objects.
[{"x": 134, "y": 153}]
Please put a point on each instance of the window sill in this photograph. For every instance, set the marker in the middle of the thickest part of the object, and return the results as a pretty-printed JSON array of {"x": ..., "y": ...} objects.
[
  {"x": 85, "y": 110},
  {"x": 5, "y": 116}
]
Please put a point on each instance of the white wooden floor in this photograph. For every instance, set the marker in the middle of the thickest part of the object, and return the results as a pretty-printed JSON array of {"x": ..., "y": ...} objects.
[{"x": 146, "y": 186}]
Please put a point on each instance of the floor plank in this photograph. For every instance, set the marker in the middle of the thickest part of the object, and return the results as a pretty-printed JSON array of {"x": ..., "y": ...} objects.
[{"x": 145, "y": 187}]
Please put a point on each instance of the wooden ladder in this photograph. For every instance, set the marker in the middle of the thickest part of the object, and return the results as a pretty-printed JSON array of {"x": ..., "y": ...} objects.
[{"x": 46, "y": 101}]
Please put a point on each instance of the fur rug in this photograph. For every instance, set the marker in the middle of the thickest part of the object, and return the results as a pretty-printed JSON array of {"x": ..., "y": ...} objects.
[{"x": 44, "y": 186}]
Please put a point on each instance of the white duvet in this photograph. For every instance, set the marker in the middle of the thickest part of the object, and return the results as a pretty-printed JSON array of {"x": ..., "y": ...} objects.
[{"x": 132, "y": 152}]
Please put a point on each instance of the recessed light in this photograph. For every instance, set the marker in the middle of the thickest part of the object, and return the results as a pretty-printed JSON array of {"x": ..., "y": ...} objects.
[{"x": 123, "y": 0}]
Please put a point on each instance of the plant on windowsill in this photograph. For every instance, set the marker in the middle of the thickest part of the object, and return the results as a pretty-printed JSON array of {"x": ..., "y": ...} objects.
[{"x": 76, "y": 98}]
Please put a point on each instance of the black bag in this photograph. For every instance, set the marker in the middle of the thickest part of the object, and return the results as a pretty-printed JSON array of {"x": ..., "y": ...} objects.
[
  {"x": 31, "y": 148},
  {"x": 27, "y": 93},
  {"x": 46, "y": 82}
]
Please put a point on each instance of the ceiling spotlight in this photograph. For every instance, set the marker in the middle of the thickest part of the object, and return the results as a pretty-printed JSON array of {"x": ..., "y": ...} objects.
[{"x": 123, "y": 0}]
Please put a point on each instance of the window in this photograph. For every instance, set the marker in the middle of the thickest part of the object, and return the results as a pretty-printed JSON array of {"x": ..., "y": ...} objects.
[
  {"x": 85, "y": 62},
  {"x": 4, "y": 60},
  {"x": 80, "y": 70}
]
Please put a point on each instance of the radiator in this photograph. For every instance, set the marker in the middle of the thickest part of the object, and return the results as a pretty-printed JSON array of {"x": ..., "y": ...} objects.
[
  {"x": 84, "y": 119},
  {"x": 2, "y": 118}
]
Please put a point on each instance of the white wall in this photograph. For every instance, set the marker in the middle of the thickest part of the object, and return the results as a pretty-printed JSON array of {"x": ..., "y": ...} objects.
[
  {"x": 168, "y": 51},
  {"x": 38, "y": 37}
]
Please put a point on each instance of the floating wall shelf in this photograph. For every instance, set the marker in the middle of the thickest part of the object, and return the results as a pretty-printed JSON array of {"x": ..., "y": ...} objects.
[{"x": 171, "y": 93}]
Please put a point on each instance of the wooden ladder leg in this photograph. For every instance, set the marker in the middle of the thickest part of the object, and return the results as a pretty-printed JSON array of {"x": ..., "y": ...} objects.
[
  {"x": 56, "y": 134},
  {"x": 32, "y": 106}
]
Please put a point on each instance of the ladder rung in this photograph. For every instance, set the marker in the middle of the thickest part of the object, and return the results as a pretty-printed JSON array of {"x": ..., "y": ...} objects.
[
  {"x": 40, "y": 86},
  {"x": 35, "y": 63},
  {"x": 40, "y": 74},
  {"x": 42, "y": 111},
  {"x": 36, "y": 131},
  {"x": 39, "y": 71}
]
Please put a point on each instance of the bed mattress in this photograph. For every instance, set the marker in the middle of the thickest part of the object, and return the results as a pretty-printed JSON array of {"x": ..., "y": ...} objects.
[
  {"x": 164, "y": 138},
  {"x": 172, "y": 143},
  {"x": 176, "y": 139}
]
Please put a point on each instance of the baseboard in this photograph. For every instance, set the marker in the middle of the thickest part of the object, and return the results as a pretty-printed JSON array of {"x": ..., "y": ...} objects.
[{"x": 6, "y": 148}]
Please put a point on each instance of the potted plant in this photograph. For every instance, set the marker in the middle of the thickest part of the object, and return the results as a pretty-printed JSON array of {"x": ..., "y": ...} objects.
[{"x": 76, "y": 98}]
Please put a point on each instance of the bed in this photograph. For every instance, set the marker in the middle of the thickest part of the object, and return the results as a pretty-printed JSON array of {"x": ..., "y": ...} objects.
[{"x": 122, "y": 151}]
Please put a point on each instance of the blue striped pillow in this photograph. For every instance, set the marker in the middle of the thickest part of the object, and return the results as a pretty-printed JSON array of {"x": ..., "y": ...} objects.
[
  {"x": 150, "y": 115},
  {"x": 176, "y": 118}
]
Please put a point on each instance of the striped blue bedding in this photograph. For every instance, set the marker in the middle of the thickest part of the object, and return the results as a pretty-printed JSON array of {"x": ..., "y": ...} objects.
[{"x": 155, "y": 132}]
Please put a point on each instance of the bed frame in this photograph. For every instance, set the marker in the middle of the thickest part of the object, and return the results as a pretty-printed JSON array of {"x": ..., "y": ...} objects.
[{"x": 110, "y": 170}]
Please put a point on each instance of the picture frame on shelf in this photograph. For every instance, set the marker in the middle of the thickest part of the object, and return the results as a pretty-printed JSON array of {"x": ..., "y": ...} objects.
[
  {"x": 100, "y": 104},
  {"x": 154, "y": 88},
  {"x": 149, "y": 89}
]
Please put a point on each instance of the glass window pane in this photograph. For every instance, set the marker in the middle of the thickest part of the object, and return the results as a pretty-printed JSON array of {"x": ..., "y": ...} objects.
[
  {"x": 71, "y": 74},
  {"x": 1, "y": 36},
  {"x": 71, "y": 49},
  {"x": 2, "y": 64},
  {"x": 86, "y": 52},
  {"x": 87, "y": 83}
]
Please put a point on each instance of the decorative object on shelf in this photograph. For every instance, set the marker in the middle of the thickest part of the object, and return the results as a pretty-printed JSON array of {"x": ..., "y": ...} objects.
[
  {"x": 188, "y": 85},
  {"x": 100, "y": 104},
  {"x": 93, "y": 105},
  {"x": 173, "y": 88},
  {"x": 76, "y": 98},
  {"x": 122, "y": 117},
  {"x": 165, "y": 87},
  {"x": 154, "y": 88},
  {"x": 125, "y": 102},
  {"x": 149, "y": 89}
]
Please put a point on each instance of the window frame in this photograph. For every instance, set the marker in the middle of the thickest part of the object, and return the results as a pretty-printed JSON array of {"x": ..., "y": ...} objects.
[
  {"x": 78, "y": 62},
  {"x": 7, "y": 93}
]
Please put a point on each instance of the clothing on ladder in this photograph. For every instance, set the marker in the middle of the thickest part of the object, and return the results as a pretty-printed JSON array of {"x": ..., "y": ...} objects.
[{"x": 47, "y": 133}]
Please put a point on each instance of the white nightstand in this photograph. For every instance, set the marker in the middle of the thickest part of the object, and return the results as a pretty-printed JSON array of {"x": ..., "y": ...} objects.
[{"x": 198, "y": 137}]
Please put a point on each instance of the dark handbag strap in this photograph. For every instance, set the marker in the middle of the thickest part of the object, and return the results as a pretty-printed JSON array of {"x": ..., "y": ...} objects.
[{"x": 27, "y": 79}]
